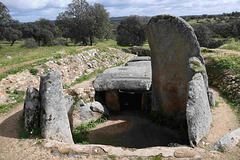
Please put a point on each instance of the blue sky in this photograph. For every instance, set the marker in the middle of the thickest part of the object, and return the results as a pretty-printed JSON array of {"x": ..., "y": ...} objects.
[{"x": 32, "y": 10}]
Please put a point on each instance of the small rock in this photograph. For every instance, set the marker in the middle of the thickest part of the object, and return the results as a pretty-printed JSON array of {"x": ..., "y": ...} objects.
[
  {"x": 238, "y": 94},
  {"x": 94, "y": 61},
  {"x": 89, "y": 65},
  {"x": 98, "y": 107},
  {"x": 9, "y": 57},
  {"x": 85, "y": 115},
  {"x": 126, "y": 50},
  {"x": 228, "y": 140},
  {"x": 81, "y": 103},
  {"x": 211, "y": 98}
]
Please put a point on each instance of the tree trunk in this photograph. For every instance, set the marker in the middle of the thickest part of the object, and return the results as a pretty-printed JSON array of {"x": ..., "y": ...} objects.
[
  {"x": 91, "y": 40},
  {"x": 13, "y": 42}
]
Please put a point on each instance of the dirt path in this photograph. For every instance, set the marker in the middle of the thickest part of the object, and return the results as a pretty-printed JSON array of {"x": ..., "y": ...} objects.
[
  {"x": 11, "y": 147},
  {"x": 4, "y": 69},
  {"x": 224, "y": 119},
  {"x": 131, "y": 130},
  {"x": 227, "y": 51}
]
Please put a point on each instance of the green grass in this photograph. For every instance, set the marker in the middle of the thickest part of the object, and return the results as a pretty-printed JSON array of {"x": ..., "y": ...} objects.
[
  {"x": 230, "y": 62},
  {"x": 21, "y": 54},
  {"x": 158, "y": 157},
  {"x": 22, "y": 68},
  {"x": 233, "y": 105},
  {"x": 112, "y": 157},
  {"x": 33, "y": 71},
  {"x": 80, "y": 133},
  {"x": 233, "y": 45},
  {"x": 206, "y": 20},
  {"x": 112, "y": 43},
  {"x": 15, "y": 95}
]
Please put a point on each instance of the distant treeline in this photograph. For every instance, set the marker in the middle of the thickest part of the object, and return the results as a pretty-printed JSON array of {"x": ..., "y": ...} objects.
[
  {"x": 81, "y": 23},
  {"x": 212, "y": 31},
  {"x": 84, "y": 23}
]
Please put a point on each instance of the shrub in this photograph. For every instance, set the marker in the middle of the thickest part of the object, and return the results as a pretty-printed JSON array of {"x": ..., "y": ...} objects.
[
  {"x": 57, "y": 56},
  {"x": 33, "y": 71},
  {"x": 131, "y": 32},
  {"x": 60, "y": 42},
  {"x": 214, "y": 44},
  {"x": 30, "y": 43}
]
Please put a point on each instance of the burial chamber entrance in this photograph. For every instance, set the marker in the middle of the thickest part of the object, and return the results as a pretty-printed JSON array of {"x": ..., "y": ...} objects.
[
  {"x": 127, "y": 87},
  {"x": 130, "y": 101},
  {"x": 126, "y": 91}
]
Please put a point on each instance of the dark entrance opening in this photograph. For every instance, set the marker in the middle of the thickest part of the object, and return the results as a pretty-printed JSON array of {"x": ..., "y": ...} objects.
[{"x": 130, "y": 101}]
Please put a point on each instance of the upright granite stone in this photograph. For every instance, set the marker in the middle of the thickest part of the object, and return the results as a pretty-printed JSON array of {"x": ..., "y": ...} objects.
[
  {"x": 69, "y": 106},
  {"x": 54, "y": 118},
  {"x": 31, "y": 111},
  {"x": 199, "y": 117},
  {"x": 176, "y": 59}
]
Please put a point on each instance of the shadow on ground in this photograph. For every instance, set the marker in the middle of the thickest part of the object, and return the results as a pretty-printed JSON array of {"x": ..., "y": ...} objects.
[
  {"x": 133, "y": 131},
  {"x": 9, "y": 127}
]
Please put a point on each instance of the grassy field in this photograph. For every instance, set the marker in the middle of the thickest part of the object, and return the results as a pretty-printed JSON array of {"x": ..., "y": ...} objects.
[
  {"x": 21, "y": 54},
  {"x": 233, "y": 45},
  {"x": 206, "y": 20},
  {"x": 113, "y": 43}
]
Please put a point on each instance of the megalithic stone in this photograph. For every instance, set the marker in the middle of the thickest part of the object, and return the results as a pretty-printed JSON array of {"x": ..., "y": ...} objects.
[
  {"x": 31, "y": 109},
  {"x": 54, "y": 118},
  {"x": 176, "y": 59}
]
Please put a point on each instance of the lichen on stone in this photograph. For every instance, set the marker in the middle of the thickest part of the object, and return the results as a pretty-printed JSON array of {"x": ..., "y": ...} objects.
[{"x": 195, "y": 65}]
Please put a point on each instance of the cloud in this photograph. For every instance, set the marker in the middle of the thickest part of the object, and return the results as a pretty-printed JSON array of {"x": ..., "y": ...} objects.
[
  {"x": 36, "y": 4},
  {"x": 51, "y": 11},
  {"x": 50, "y": 8}
]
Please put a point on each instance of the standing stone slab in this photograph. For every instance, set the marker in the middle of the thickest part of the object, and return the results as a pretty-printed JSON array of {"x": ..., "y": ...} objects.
[
  {"x": 69, "y": 106},
  {"x": 31, "y": 109},
  {"x": 199, "y": 117},
  {"x": 54, "y": 119},
  {"x": 112, "y": 100},
  {"x": 176, "y": 59},
  {"x": 172, "y": 43}
]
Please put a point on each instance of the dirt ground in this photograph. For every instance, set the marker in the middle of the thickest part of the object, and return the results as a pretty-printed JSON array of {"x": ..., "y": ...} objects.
[
  {"x": 133, "y": 130},
  {"x": 130, "y": 127}
]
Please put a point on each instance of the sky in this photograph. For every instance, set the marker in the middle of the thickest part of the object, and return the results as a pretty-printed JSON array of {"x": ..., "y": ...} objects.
[{"x": 33, "y": 10}]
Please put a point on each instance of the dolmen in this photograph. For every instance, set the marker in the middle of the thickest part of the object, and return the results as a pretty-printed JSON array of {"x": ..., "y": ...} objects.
[
  {"x": 172, "y": 82},
  {"x": 123, "y": 85}
]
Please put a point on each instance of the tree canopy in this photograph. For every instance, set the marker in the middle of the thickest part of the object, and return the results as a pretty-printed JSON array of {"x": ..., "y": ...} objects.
[
  {"x": 9, "y": 28},
  {"x": 131, "y": 31},
  {"x": 82, "y": 22}
]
